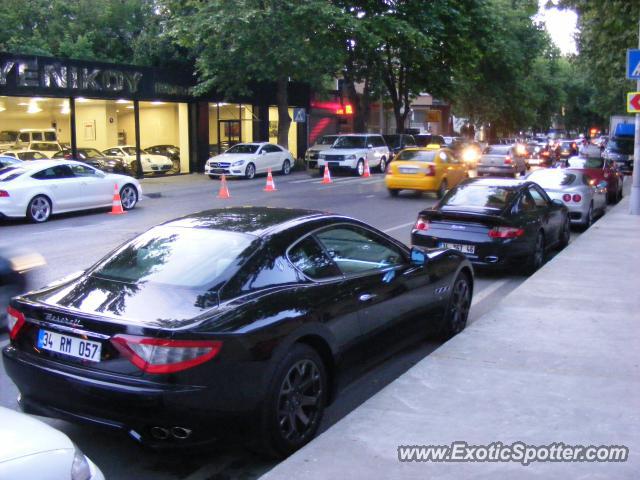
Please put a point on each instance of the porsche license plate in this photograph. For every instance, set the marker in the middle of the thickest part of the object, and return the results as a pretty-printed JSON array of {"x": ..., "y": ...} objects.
[
  {"x": 68, "y": 345},
  {"x": 460, "y": 247}
]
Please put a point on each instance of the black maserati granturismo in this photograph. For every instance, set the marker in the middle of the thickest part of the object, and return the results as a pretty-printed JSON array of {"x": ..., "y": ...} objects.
[{"x": 238, "y": 319}]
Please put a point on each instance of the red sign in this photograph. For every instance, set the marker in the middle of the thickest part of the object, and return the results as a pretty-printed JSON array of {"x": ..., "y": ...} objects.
[{"x": 633, "y": 102}]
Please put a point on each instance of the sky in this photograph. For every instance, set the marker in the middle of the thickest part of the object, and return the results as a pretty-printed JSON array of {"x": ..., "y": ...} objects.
[{"x": 561, "y": 25}]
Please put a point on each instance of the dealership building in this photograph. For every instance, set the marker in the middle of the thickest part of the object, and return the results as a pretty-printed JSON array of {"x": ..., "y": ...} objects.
[{"x": 104, "y": 106}]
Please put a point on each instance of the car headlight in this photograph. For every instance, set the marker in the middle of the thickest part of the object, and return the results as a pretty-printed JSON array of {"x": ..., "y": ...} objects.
[
  {"x": 238, "y": 163},
  {"x": 80, "y": 469},
  {"x": 350, "y": 157}
]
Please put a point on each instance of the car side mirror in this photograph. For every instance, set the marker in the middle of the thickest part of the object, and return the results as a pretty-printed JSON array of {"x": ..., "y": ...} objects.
[{"x": 419, "y": 257}]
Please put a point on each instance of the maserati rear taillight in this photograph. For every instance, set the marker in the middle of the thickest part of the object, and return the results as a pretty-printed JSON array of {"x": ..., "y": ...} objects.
[
  {"x": 15, "y": 321},
  {"x": 162, "y": 355},
  {"x": 506, "y": 232}
]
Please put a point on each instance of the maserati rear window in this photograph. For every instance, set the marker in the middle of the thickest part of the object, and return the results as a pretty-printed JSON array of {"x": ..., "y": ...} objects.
[
  {"x": 178, "y": 256},
  {"x": 479, "y": 196}
]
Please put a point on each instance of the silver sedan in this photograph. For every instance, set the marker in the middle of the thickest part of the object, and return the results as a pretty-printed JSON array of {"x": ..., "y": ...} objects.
[{"x": 576, "y": 190}]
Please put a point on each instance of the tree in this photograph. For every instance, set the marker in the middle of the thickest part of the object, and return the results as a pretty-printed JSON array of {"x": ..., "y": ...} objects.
[{"x": 238, "y": 42}]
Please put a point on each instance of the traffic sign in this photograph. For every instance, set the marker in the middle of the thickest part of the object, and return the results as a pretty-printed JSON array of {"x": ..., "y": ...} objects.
[
  {"x": 633, "y": 102},
  {"x": 633, "y": 64},
  {"x": 299, "y": 115}
]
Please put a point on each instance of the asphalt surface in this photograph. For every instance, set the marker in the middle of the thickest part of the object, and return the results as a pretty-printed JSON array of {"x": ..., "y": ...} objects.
[{"x": 74, "y": 242}]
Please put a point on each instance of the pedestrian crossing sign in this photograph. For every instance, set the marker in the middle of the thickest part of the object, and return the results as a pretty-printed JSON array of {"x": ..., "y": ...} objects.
[{"x": 299, "y": 115}]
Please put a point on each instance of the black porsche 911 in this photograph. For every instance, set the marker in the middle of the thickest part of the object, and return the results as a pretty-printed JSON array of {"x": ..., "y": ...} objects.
[
  {"x": 496, "y": 223},
  {"x": 228, "y": 320}
]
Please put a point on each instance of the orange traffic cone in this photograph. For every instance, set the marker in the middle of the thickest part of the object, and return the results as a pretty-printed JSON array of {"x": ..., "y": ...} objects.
[
  {"x": 367, "y": 172},
  {"x": 116, "y": 206},
  {"x": 327, "y": 175},
  {"x": 271, "y": 186},
  {"x": 224, "y": 190}
]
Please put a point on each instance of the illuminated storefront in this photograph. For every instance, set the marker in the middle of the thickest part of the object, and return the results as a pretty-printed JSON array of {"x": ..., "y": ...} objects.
[{"x": 143, "y": 116}]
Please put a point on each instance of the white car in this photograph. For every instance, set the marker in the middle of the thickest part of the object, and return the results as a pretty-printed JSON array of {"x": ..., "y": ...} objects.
[
  {"x": 32, "y": 449},
  {"x": 150, "y": 163},
  {"x": 40, "y": 188},
  {"x": 248, "y": 159},
  {"x": 351, "y": 151},
  {"x": 25, "y": 154},
  {"x": 312, "y": 153}
]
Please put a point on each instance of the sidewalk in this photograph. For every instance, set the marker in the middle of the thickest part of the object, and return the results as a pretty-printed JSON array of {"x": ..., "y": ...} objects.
[{"x": 558, "y": 360}]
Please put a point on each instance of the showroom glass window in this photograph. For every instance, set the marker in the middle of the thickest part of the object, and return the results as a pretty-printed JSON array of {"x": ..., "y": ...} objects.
[
  {"x": 34, "y": 124},
  {"x": 273, "y": 130},
  {"x": 229, "y": 124},
  {"x": 164, "y": 134}
]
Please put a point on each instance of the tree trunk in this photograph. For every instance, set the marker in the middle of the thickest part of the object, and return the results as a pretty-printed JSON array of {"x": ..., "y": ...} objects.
[{"x": 284, "y": 120}]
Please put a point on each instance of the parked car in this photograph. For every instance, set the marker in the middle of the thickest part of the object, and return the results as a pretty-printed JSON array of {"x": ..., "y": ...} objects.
[
  {"x": 397, "y": 142},
  {"x": 170, "y": 151},
  {"x": 430, "y": 169},
  {"x": 249, "y": 159},
  {"x": 228, "y": 321},
  {"x": 426, "y": 139},
  {"x": 46, "y": 148},
  {"x": 41, "y": 188},
  {"x": 28, "y": 135},
  {"x": 582, "y": 196},
  {"x": 25, "y": 154},
  {"x": 90, "y": 156},
  {"x": 350, "y": 152},
  {"x": 601, "y": 170},
  {"x": 495, "y": 223},
  {"x": 5, "y": 161},
  {"x": 323, "y": 143},
  {"x": 150, "y": 163},
  {"x": 501, "y": 160},
  {"x": 620, "y": 150},
  {"x": 31, "y": 449}
]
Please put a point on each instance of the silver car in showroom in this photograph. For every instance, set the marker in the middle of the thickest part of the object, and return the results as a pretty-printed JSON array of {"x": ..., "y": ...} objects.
[{"x": 576, "y": 190}]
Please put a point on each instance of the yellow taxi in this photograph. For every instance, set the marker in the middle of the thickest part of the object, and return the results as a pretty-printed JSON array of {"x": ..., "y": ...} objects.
[{"x": 430, "y": 169}]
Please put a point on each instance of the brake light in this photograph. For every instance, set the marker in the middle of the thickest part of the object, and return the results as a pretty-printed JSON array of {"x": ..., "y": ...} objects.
[
  {"x": 15, "y": 321},
  {"x": 430, "y": 171},
  {"x": 507, "y": 160},
  {"x": 577, "y": 198},
  {"x": 506, "y": 232},
  {"x": 566, "y": 197},
  {"x": 4, "y": 194},
  {"x": 161, "y": 355},
  {"x": 421, "y": 224}
]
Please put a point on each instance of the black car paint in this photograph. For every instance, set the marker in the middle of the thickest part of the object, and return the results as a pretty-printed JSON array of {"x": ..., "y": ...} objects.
[
  {"x": 470, "y": 226},
  {"x": 258, "y": 323}
]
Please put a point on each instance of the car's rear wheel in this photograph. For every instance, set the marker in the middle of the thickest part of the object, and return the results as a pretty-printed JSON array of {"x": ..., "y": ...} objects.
[
  {"x": 359, "y": 168},
  {"x": 442, "y": 190},
  {"x": 286, "y": 167},
  {"x": 128, "y": 197},
  {"x": 250, "y": 171},
  {"x": 393, "y": 192},
  {"x": 295, "y": 402},
  {"x": 455, "y": 319},
  {"x": 536, "y": 260},
  {"x": 39, "y": 209},
  {"x": 383, "y": 165}
]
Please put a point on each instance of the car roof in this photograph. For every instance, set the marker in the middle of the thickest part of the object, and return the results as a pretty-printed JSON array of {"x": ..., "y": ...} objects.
[
  {"x": 359, "y": 135},
  {"x": 38, "y": 164},
  {"x": 497, "y": 182},
  {"x": 258, "y": 221}
]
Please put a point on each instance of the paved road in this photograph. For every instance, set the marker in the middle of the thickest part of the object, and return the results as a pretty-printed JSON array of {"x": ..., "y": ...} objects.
[{"x": 73, "y": 242}]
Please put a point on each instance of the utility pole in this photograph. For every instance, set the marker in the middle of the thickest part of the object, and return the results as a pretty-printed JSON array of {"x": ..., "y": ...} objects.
[{"x": 634, "y": 204}]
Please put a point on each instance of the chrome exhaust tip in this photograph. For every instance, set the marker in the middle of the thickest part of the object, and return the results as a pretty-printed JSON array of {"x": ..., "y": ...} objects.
[
  {"x": 180, "y": 433},
  {"x": 159, "y": 433}
]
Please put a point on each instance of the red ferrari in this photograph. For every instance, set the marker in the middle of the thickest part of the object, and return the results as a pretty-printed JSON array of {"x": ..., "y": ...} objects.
[{"x": 600, "y": 169}]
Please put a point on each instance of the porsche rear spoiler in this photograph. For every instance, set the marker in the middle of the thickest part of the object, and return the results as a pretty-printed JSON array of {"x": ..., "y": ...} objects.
[{"x": 466, "y": 216}]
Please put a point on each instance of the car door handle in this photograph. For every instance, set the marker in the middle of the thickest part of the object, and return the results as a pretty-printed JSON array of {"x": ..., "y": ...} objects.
[{"x": 365, "y": 297}]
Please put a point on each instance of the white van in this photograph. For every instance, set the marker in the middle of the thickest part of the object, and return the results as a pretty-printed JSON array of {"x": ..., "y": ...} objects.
[{"x": 28, "y": 135}]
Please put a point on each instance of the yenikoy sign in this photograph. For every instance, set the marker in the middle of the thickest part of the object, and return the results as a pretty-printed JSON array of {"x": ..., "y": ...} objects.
[{"x": 32, "y": 75}]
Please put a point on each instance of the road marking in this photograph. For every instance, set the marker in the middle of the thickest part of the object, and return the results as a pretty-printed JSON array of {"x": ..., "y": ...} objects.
[
  {"x": 398, "y": 227},
  {"x": 488, "y": 291}
]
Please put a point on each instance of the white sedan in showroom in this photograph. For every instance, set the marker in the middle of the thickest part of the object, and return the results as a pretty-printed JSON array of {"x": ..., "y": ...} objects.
[
  {"x": 248, "y": 159},
  {"x": 32, "y": 449},
  {"x": 40, "y": 188},
  {"x": 150, "y": 163}
]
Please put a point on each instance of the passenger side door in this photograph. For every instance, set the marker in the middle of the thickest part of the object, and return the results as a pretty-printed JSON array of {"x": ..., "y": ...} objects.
[
  {"x": 550, "y": 218},
  {"x": 61, "y": 185},
  {"x": 94, "y": 190},
  {"x": 395, "y": 301}
]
